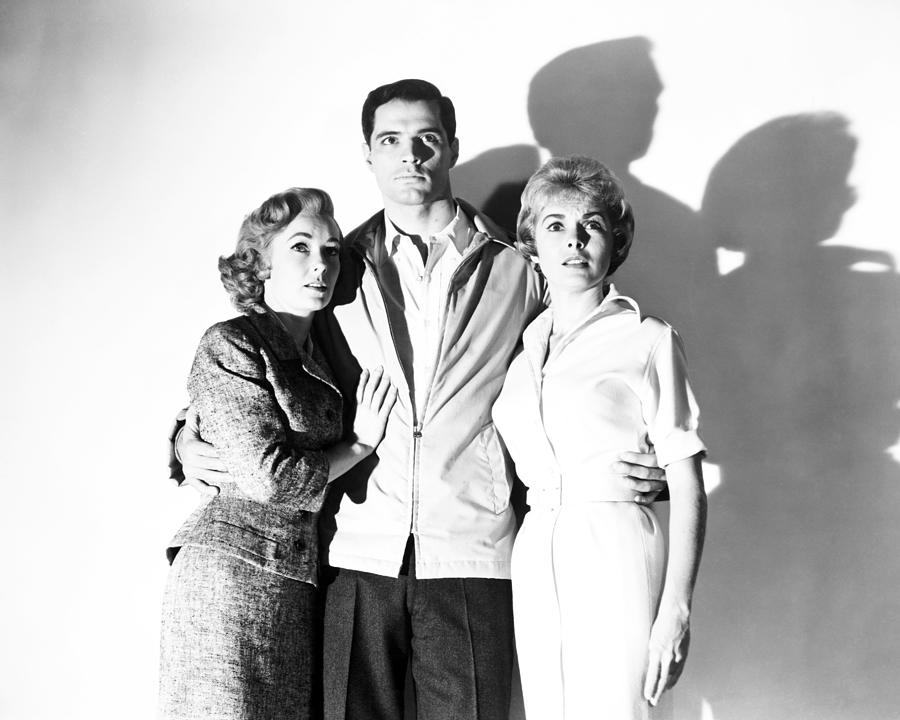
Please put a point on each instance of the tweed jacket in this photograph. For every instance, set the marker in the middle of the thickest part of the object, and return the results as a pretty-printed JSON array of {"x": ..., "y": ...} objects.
[
  {"x": 271, "y": 410},
  {"x": 441, "y": 473}
]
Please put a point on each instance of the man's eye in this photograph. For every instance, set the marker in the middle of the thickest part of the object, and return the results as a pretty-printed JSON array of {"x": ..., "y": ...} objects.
[
  {"x": 431, "y": 138},
  {"x": 389, "y": 140}
]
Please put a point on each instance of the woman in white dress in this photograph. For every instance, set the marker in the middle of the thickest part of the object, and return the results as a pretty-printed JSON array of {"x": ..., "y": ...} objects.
[{"x": 601, "y": 615}]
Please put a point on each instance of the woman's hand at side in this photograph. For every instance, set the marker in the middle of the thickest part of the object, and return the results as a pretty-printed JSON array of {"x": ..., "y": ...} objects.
[
  {"x": 669, "y": 640},
  {"x": 375, "y": 397},
  {"x": 670, "y": 634}
]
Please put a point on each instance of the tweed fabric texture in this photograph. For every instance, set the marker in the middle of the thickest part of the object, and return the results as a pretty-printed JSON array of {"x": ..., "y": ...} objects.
[
  {"x": 237, "y": 641},
  {"x": 270, "y": 410},
  {"x": 240, "y": 615}
]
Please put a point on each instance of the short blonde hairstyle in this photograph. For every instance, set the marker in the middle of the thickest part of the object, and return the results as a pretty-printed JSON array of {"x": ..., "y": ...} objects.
[
  {"x": 247, "y": 268},
  {"x": 577, "y": 175}
]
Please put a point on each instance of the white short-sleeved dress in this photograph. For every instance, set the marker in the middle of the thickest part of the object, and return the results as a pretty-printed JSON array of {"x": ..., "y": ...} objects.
[{"x": 588, "y": 563}]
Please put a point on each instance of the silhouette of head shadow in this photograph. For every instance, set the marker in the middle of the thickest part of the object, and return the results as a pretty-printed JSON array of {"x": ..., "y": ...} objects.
[
  {"x": 601, "y": 100},
  {"x": 598, "y": 100},
  {"x": 775, "y": 196},
  {"x": 797, "y": 361},
  {"x": 795, "y": 169}
]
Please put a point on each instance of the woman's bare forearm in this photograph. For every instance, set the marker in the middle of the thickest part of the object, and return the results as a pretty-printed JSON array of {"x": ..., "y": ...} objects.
[{"x": 687, "y": 529}]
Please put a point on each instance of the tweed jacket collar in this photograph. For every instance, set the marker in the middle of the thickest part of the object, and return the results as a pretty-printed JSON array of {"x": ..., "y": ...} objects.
[{"x": 283, "y": 347}]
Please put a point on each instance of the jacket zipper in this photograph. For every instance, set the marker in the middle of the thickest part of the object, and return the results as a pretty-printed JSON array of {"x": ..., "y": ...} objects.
[
  {"x": 419, "y": 413},
  {"x": 417, "y": 425}
]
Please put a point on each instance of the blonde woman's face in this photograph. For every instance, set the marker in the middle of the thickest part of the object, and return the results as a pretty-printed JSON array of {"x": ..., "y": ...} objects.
[
  {"x": 574, "y": 243},
  {"x": 305, "y": 262}
]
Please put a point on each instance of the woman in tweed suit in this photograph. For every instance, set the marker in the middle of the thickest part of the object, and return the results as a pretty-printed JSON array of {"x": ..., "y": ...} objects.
[{"x": 240, "y": 613}]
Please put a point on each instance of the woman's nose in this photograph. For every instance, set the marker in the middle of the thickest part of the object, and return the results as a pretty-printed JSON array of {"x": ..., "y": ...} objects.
[{"x": 578, "y": 237}]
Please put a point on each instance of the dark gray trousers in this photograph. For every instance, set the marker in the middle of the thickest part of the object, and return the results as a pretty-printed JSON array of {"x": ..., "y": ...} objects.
[{"x": 455, "y": 634}]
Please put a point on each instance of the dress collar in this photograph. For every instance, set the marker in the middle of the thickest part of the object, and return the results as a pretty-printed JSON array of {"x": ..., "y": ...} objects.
[{"x": 536, "y": 338}]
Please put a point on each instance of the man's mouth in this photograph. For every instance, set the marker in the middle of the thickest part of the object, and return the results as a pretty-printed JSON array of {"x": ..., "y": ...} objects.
[{"x": 575, "y": 260}]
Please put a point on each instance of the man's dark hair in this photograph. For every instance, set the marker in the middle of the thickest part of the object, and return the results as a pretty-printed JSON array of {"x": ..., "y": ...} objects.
[{"x": 410, "y": 90}]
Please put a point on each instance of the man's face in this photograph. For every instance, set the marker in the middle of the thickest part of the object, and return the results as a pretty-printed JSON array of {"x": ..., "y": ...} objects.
[{"x": 410, "y": 154}]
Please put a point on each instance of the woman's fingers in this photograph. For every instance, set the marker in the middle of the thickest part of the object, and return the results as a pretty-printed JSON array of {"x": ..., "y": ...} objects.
[
  {"x": 662, "y": 683},
  {"x": 388, "y": 404},
  {"x": 652, "y": 680},
  {"x": 380, "y": 391},
  {"x": 361, "y": 386},
  {"x": 373, "y": 378}
]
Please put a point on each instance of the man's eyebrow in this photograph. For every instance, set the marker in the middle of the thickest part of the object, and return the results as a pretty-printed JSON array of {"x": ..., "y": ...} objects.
[{"x": 385, "y": 133}]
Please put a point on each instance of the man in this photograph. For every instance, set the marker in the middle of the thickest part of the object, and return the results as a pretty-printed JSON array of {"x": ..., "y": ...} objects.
[{"x": 418, "y": 542}]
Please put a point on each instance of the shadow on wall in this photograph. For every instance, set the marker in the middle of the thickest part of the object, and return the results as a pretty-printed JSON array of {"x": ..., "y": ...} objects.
[
  {"x": 794, "y": 356},
  {"x": 601, "y": 100},
  {"x": 798, "y": 359}
]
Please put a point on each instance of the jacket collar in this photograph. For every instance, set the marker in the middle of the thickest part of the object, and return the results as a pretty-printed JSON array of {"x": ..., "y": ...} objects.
[
  {"x": 283, "y": 347},
  {"x": 371, "y": 234},
  {"x": 274, "y": 333}
]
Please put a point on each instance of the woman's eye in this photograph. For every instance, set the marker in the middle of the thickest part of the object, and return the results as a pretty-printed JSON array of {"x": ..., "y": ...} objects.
[
  {"x": 300, "y": 247},
  {"x": 332, "y": 251},
  {"x": 555, "y": 227}
]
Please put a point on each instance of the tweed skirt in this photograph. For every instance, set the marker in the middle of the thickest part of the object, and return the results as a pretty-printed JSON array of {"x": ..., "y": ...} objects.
[{"x": 237, "y": 641}]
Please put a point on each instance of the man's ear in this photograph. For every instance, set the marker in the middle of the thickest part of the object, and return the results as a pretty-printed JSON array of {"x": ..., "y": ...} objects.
[
  {"x": 367, "y": 154},
  {"x": 454, "y": 152}
]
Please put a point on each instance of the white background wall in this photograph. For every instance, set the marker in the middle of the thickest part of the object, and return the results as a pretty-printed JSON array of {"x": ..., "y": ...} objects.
[{"x": 134, "y": 136}]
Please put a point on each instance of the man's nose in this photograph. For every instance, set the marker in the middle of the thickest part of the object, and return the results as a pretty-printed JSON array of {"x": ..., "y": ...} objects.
[
  {"x": 411, "y": 153},
  {"x": 415, "y": 152}
]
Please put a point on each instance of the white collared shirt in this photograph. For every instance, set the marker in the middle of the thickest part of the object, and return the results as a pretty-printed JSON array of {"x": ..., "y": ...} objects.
[
  {"x": 618, "y": 381},
  {"x": 417, "y": 297}
]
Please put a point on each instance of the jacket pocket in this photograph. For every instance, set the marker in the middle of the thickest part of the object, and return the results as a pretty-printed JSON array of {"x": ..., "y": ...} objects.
[
  {"x": 244, "y": 538},
  {"x": 492, "y": 451}
]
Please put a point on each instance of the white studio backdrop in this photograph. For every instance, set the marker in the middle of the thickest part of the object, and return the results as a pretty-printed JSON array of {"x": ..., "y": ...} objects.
[{"x": 135, "y": 136}]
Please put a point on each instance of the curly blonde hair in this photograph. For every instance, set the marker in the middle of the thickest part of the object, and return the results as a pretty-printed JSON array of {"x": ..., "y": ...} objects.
[{"x": 247, "y": 268}]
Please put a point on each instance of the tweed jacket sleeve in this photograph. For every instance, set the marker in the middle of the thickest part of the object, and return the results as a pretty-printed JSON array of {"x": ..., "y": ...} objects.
[{"x": 234, "y": 383}]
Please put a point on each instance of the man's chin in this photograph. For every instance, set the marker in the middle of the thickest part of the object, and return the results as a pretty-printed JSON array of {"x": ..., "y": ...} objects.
[{"x": 411, "y": 197}]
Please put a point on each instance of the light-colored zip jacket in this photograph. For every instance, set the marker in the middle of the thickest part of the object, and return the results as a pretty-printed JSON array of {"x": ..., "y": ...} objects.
[{"x": 441, "y": 473}]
